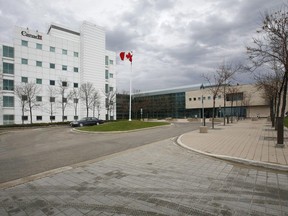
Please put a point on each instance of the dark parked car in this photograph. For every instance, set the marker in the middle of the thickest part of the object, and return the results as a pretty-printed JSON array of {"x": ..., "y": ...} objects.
[{"x": 87, "y": 121}]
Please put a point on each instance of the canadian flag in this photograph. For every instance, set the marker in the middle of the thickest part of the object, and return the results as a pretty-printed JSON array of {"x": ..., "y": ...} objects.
[{"x": 126, "y": 55}]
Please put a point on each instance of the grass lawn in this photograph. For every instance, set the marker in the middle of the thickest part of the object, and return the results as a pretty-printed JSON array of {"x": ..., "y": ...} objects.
[
  {"x": 122, "y": 126},
  {"x": 286, "y": 121}
]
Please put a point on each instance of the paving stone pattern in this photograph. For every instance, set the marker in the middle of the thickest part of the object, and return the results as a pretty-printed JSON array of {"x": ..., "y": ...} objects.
[{"x": 157, "y": 179}]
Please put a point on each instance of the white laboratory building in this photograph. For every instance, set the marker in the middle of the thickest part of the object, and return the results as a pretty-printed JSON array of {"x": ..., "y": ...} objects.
[{"x": 55, "y": 65}]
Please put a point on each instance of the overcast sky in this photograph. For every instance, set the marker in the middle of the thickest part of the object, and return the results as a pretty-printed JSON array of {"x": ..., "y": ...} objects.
[{"x": 174, "y": 41}]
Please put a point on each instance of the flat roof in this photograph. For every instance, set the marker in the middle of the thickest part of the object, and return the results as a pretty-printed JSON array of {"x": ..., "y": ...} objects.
[
  {"x": 180, "y": 89},
  {"x": 63, "y": 29}
]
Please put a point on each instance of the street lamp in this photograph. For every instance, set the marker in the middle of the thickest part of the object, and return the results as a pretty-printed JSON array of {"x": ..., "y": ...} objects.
[{"x": 202, "y": 89}]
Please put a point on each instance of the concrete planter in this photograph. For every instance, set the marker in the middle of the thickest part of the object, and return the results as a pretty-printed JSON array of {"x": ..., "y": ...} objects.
[{"x": 203, "y": 129}]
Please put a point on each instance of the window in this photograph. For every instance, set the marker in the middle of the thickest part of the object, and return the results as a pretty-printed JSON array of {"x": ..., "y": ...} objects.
[
  {"x": 75, "y": 118},
  {"x": 111, "y": 62},
  {"x": 24, "y": 61},
  {"x": 106, "y": 88},
  {"x": 39, "y": 63},
  {"x": 52, "y": 118},
  {"x": 64, "y": 118},
  {"x": 219, "y": 96},
  {"x": 234, "y": 96},
  {"x": 64, "y": 100},
  {"x": 39, "y": 118},
  {"x": 39, "y": 98},
  {"x": 8, "y": 68},
  {"x": 76, "y": 69},
  {"x": 64, "y": 84},
  {"x": 76, "y": 54},
  {"x": 106, "y": 60},
  {"x": 8, "y": 101},
  {"x": 190, "y": 99},
  {"x": 199, "y": 98},
  {"x": 209, "y": 97},
  {"x": 106, "y": 74},
  {"x": 24, "y": 43},
  {"x": 52, "y": 99},
  {"x": 38, "y": 81},
  {"x": 76, "y": 100},
  {"x": 52, "y": 49},
  {"x": 52, "y": 65},
  {"x": 111, "y": 75},
  {"x": 25, "y": 118},
  {"x": 111, "y": 89},
  {"x": 24, "y": 79},
  {"x": 75, "y": 85},
  {"x": 64, "y": 67},
  {"x": 24, "y": 97},
  {"x": 52, "y": 82},
  {"x": 38, "y": 46},
  {"x": 204, "y": 98},
  {"x": 8, "y": 52},
  {"x": 8, "y": 85},
  {"x": 194, "y": 99},
  {"x": 64, "y": 51},
  {"x": 8, "y": 119}
]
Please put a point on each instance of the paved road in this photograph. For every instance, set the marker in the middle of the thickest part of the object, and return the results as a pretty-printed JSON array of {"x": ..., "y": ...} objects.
[
  {"x": 27, "y": 152},
  {"x": 157, "y": 179}
]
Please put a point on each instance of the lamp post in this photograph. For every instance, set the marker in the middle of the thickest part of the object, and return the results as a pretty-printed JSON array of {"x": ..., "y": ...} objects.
[{"x": 202, "y": 89}]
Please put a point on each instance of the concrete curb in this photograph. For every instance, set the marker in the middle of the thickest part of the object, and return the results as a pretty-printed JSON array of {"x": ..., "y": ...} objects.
[{"x": 235, "y": 159}]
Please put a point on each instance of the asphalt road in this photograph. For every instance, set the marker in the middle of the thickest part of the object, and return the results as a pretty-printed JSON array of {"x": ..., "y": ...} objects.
[{"x": 27, "y": 152}]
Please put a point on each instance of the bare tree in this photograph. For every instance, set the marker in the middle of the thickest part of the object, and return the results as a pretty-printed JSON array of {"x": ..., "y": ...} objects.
[
  {"x": 95, "y": 103},
  {"x": 76, "y": 96},
  {"x": 270, "y": 84},
  {"x": 19, "y": 92},
  {"x": 215, "y": 85},
  {"x": 65, "y": 95},
  {"x": 272, "y": 47},
  {"x": 110, "y": 102},
  {"x": 86, "y": 92},
  {"x": 226, "y": 72},
  {"x": 232, "y": 95},
  {"x": 27, "y": 93},
  {"x": 51, "y": 94}
]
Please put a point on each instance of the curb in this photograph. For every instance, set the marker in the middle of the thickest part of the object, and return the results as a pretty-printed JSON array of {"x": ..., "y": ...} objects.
[{"x": 235, "y": 159}]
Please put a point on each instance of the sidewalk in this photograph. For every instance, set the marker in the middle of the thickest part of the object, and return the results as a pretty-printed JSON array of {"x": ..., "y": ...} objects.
[{"x": 249, "y": 142}]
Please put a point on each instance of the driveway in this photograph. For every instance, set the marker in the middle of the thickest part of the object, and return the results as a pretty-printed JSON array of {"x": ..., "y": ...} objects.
[{"x": 27, "y": 152}]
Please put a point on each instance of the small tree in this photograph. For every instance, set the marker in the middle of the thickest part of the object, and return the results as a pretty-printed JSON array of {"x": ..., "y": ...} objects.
[
  {"x": 96, "y": 103},
  {"x": 65, "y": 95},
  {"x": 19, "y": 92},
  {"x": 51, "y": 94},
  {"x": 110, "y": 102},
  {"x": 87, "y": 90},
  {"x": 76, "y": 96},
  {"x": 27, "y": 94}
]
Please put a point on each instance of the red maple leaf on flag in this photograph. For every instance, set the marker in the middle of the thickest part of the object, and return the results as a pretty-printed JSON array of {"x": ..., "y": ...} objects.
[{"x": 127, "y": 55}]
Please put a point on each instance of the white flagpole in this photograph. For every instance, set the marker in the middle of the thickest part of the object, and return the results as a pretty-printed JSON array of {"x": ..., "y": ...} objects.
[{"x": 130, "y": 93}]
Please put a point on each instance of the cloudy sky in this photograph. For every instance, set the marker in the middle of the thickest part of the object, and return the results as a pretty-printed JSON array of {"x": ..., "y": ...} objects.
[{"x": 174, "y": 41}]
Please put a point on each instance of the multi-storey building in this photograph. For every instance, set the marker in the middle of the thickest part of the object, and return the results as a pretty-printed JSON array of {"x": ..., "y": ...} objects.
[{"x": 56, "y": 64}]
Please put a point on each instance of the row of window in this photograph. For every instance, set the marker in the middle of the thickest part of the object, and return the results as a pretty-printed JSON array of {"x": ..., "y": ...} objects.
[
  {"x": 9, "y": 84},
  {"x": 9, "y": 119},
  {"x": 204, "y": 98},
  {"x": 52, "y": 49},
  {"x": 8, "y": 101},
  {"x": 51, "y": 65}
]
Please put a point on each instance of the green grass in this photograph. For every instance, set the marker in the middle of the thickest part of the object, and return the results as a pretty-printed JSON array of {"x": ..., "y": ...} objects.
[
  {"x": 286, "y": 121},
  {"x": 122, "y": 126}
]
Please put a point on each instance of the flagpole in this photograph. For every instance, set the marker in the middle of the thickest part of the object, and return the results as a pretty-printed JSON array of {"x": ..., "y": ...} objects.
[{"x": 130, "y": 93}]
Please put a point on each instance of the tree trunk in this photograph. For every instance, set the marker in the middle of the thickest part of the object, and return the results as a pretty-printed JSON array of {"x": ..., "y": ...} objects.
[
  {"x": 284, "y": 96},
  {"x": 30, "y": 114},
  {"x": 213, "y": 112}
]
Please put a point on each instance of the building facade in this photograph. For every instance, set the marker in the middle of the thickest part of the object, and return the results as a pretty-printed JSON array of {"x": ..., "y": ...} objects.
[
  {"x": 186, "y": 102},
  {"x": 56, "y": 64}
]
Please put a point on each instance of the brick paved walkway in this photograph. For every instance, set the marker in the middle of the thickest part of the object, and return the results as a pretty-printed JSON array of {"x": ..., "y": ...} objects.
[
  {"x": 247, "y": 141},
  {"x": 157, "y": 179}
]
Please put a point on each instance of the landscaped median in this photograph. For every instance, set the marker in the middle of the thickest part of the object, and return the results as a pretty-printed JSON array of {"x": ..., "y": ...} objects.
[{"x": 117, "y": 126}]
